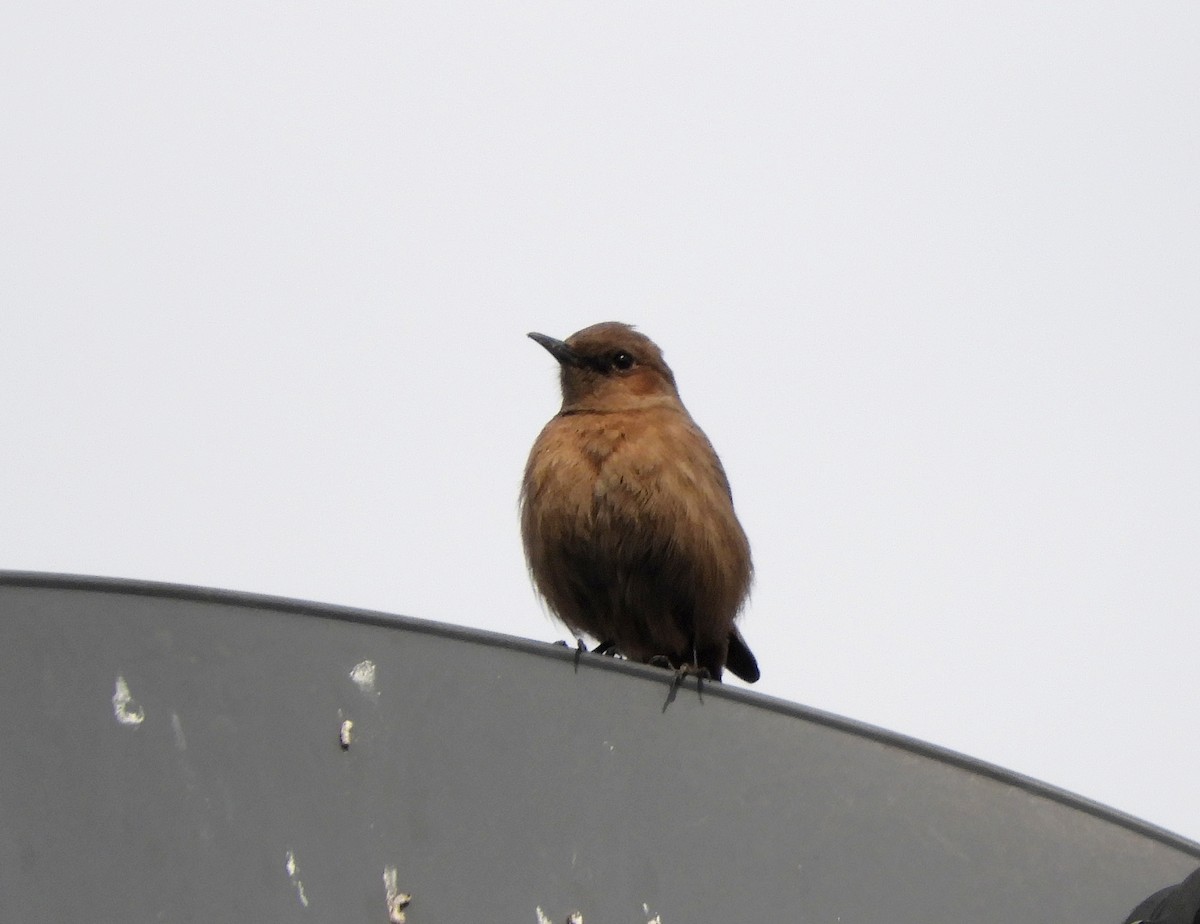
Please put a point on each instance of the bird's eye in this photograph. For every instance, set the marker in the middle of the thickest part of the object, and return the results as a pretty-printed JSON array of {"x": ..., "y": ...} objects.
[{"x": 622, "y": 361}]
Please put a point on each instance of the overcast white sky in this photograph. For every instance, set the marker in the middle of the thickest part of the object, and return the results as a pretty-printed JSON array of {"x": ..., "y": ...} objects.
[{"x": 928, "y": 275}]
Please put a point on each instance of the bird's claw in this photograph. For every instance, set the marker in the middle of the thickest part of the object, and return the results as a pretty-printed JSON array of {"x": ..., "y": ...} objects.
[
  {"x": 691, "y": 670},
  {"x": 682, "y": 673},
  {"x": 580, "y": 648}
]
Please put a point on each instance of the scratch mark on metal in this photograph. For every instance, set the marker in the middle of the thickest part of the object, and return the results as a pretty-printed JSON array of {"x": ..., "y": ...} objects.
[
  {"x": 397, "y": 901},
  {"x": 127, "y": 709},
  {"x": 177, "y": 728},
  {"x": 293, "y": 875}
]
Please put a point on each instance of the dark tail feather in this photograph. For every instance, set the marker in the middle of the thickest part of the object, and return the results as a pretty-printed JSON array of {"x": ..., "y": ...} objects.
[{"x": 741, "y": 660}]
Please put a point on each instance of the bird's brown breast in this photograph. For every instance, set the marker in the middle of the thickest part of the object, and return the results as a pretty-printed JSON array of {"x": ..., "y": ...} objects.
[{"x": 629, "y": 528}]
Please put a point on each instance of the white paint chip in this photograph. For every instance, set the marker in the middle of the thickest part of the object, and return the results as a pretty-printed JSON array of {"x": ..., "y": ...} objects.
[
  {"x": 293, "y": 874},
  {"x": 397, "y": 901},
  {"x": 542, "y": 919},
  {"x": 127, "y": 709},
  {"x": 363, "y": 675}
]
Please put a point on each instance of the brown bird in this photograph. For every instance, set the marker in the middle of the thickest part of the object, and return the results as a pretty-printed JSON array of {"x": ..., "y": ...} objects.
[{"x": 626, "y": 513}]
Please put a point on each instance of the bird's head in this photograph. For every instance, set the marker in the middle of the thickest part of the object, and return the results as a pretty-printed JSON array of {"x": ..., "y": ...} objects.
[{"x": 611, "y": 367}]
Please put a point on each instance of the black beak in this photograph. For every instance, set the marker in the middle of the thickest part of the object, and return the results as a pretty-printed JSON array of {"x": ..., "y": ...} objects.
[{"x": 559, "y": 350}]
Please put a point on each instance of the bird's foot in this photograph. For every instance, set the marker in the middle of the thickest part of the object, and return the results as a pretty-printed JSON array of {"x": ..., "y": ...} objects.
[
  {"x": 606, "y": 648},
  {"x": 692, "y": 670},
  {"x": 580, "y": 648},
  {"x": 682, "y": 672}
]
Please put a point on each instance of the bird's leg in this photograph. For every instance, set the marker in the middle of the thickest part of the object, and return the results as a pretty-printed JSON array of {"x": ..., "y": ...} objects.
[
  {"x": 580, "y": 648},
  {"x": 695, "y": 669},
  {"x": 605, "y": 648},
  {"x": 680, "y": 674},
  {"x": 692, "y": 670},
  {"x": 682, "y": 671}
]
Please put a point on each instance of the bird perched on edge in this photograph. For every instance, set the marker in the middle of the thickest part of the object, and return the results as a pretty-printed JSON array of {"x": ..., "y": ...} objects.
[{"x": 626, "y": 514}]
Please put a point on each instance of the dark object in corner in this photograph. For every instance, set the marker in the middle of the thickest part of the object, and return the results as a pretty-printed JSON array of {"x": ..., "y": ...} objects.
[{"x": 1177, "y": 904}]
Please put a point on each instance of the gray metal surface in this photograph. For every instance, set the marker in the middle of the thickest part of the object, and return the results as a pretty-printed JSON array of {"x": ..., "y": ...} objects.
[{"x": 172, "y": 754}]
